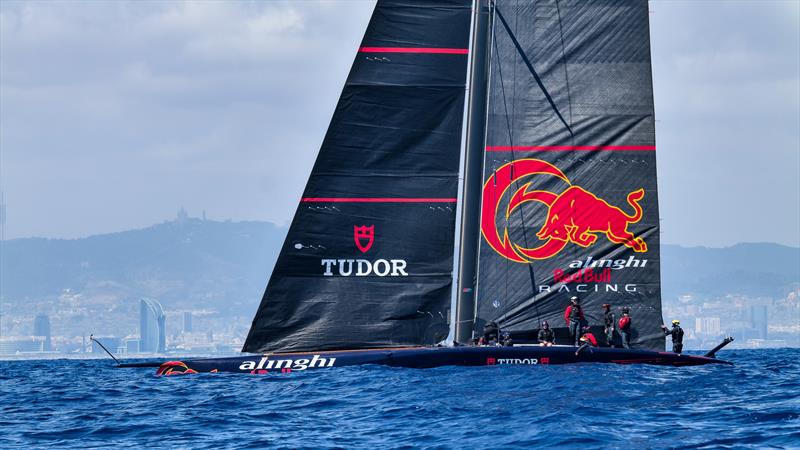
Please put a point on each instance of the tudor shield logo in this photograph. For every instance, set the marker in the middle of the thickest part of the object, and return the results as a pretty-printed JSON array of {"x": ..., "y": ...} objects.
[
  {"x": 575, "y": 215},
  {"x": 364, "y": 236}
]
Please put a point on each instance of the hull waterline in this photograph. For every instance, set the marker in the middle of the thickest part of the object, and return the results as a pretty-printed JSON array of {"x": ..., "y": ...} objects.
[{"x": 426, "y": 357}]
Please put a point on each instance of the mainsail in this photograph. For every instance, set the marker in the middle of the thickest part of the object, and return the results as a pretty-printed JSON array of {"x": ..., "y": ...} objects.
[
  {"x": 368, "y": 258},
  {"x": 570, "y": 201}
]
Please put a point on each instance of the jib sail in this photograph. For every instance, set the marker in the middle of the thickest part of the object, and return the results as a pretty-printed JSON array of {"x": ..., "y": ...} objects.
[
  {"x": 368, "y": 260},
  {"x": 570, "y": 201}
]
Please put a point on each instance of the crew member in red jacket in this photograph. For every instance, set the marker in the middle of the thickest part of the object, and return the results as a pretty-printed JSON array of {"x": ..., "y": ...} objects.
[
  {"x": 625, "y": 327},
  {"x": 574, "y": 318},
  {"x": 587, "y": 340}
]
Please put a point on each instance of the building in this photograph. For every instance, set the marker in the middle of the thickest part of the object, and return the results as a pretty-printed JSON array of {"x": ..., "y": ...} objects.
[
  {"x": 112, "y": 343},
  {"x": 707, "y": 325},
  {"x": 187, "y": 321},
  {"x": 758, "y": 320},
  {"x": 130, "y": 345},
  {"x": 41, "y": 328},
  {"x": 21, "y": 344},
  {"x": 152, "y": 330}
]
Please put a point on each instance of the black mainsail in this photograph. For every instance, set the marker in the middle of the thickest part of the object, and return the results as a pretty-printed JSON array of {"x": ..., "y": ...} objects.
[
  {"x": 368, "y": 258},
  {"x": 570, "y": 201}
]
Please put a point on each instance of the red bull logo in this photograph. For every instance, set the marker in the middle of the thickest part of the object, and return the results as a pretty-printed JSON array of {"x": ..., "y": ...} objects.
[{"x": 575, "y": 215}]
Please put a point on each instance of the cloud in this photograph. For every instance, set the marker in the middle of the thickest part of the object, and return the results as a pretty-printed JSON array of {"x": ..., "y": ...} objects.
[
  {"x": 727, "y": 91},
  {"x": 115, "y": 113}
]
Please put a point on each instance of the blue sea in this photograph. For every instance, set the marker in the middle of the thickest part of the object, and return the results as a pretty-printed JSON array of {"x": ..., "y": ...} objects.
[{"x": 88, "y": 404}]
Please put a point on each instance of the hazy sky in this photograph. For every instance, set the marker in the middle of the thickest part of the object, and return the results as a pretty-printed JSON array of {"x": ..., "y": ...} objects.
[{"x": 114, "y": 114}]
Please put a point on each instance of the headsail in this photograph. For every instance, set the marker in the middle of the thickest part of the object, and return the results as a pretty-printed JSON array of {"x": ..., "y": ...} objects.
[
  {"x": 368, "y": 260},
  {"x": 570, "y": 201}
]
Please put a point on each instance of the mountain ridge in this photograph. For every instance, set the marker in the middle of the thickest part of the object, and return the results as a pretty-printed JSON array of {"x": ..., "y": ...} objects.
[{"x": 203, "y": 261}]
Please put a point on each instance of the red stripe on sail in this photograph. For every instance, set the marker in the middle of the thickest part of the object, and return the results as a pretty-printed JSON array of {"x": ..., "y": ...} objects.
[
  {"x": 449, "y": 51},
  {"x": 571, "y": 148},
  {"x": 376, "y": 200}
]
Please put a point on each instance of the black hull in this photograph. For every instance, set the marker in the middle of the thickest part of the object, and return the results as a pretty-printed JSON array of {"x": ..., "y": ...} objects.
[{"x": 428, "y": 357}]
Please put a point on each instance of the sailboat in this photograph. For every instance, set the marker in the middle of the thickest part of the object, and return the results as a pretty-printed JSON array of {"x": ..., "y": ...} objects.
[{"x": 510, "y": 143}]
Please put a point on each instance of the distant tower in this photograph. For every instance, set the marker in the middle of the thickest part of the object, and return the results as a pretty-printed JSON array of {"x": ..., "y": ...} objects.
[
  {"x": 758, "y": 319},
  {"x": 41, "y": 328},
  {"x": 187, "y": 321},
  {"x": 182, "y": 216},
  {"x": 2, "y": 217},
  {"x": 152, "y": 328}
]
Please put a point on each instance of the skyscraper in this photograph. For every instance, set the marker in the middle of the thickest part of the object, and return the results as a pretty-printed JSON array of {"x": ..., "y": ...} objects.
[
  {"x": 187, "y": 321},
  {"x": 41, "y": 328},
  {"x": 758, "y": 318},
  {"x": 152, "y": 327}
]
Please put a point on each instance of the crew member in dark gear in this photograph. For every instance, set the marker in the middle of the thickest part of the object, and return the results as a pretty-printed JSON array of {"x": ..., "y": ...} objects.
[
  {"x": 546, "y": 335},
  {"x": 625, "y": 327},
  {"x": 573, "y": 315},
  {"x": 587, "y": 340},
  {"x": 506, "y": 340},
  {"x": 610, "y": 324},
  {"x": 491, "y": 333},
  {"x": 677, "y": 336}
]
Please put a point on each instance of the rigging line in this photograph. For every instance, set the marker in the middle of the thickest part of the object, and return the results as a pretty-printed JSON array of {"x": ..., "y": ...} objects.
[
  {"x": 531, "y": 273},
  {"x": 532, "y": 70},
  {"x": 511, "y": 142},
  {"x": 564, "y": 61}
]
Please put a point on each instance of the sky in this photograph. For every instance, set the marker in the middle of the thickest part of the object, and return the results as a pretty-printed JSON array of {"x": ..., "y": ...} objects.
[{"x": 115, "y": 114}]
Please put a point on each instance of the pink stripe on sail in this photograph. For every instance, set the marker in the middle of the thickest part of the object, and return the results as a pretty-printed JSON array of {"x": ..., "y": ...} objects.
[
  {"x": 449, "y": 51},
  {"x": 570, "y": 148},
  {"x": 376, "y": 200}
]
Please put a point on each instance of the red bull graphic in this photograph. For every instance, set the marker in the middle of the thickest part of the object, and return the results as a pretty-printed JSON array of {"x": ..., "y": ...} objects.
[
  {"x": 575, "y": 215},
  {"x": 174, "y": 368},
  {"x": 364, "y": 237}
]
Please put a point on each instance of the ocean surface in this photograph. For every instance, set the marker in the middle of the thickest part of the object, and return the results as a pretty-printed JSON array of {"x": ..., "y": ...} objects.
[{"x": 88, "y": 404}]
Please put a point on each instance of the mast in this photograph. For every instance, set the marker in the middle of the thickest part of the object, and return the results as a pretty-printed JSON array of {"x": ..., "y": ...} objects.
[{"x": 473, "y": 171}]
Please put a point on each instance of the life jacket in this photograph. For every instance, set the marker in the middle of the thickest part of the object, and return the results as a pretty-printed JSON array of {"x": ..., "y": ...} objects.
[
  {"x": 546, "y": 335},
  {"x": 624, "y": 323},
  {"x": 677, "y": 335}
]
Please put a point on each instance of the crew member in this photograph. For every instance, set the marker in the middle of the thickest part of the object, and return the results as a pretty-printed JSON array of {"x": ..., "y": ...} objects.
[
  {"x": 610, "y": 324},
  {"x": 625, "y": 327},
  {"x": 574, "y": 318},
  {"x": 491, "y": 333},
  {"x": 677, "y": 336},
  {"x": 546, "y": 335},
  {"x": 506, "y": 340},
  {"x": 587, "y": 340}
]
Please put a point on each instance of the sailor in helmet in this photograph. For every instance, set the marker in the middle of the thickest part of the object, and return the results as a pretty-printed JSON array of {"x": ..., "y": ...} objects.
[
  {"x": 677, "y": 336},
  {"x": 546, "y": 335}
]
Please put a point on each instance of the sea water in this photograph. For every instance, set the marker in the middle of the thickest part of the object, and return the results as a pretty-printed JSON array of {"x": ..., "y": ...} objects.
[{"x": 86, "y": 404}]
